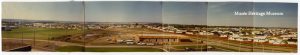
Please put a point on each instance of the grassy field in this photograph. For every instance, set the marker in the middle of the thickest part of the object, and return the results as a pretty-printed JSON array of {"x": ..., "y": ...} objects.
[
  {"x": 109, "y": 49},
  {"x": 183, "y": 47},
  {"x": 38, "y": 33}
]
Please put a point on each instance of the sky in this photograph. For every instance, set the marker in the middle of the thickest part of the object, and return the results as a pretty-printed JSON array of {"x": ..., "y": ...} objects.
[
  {"x": 196, "y": 13},
  {"x": 289, "y": 19},
  {"x": 59, "y": 11},
  {"x": 124, "y": 12},
  {"x": 191, "y": 13},
  {"x": 221, "y": 14}
]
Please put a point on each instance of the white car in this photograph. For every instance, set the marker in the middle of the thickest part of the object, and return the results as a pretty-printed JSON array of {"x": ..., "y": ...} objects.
[{"x": 141, "y": 43}]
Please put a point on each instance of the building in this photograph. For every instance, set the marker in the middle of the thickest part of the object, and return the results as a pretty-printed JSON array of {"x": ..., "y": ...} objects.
[
  {"x": 160, "y": 38},
  {"x": 233, "y": 37},
  {"x": 286, "y": 37},
  {"x": 276, "y": 41},
  {"x": 244, "y": 39},
  {"x": 292, "y": 41},
  {"x": 260, "y": 39}
]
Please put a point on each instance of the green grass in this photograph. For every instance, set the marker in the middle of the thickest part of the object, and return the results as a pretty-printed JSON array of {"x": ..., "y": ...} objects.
[
  {"x": 69, "y": 49},
  {"x": 39, "y": 33},
  {"x": 231, "y": 49},
  {"x": 108, "y": 49},
  {"x": 183, "y": 47}
]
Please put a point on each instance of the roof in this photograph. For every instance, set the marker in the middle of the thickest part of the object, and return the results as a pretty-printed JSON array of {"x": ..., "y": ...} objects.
[
  {"x": 158, "y": 37},
  {"x": 161, "y": 36}
]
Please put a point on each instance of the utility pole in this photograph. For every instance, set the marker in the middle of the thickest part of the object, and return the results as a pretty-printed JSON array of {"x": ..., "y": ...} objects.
[{"x": 83, "y": 48}]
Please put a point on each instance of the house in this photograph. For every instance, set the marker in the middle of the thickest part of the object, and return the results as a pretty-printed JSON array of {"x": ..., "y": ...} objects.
[
  {"x": 180, "y": 31},
  {"x": 260, "y": 38},
  {"x": 276, "y": 41},
  {"x": 171, "y": 31},
  {"x": 223, "y": 35},
  {"x": 205, "y": 33},
  {"x": 256, "y": 32},
  {"x": 233, "y": 37},
  {"x": 8, "y": 28},
  {"x": 190, "y": 33},
  {"x": 244, "y": 39},
  {"x": 292, "y": 41},
  {"x": 286, "y": 37},
  {"x": 201, "y": 33},
  {"x": 119, "y": 41}
]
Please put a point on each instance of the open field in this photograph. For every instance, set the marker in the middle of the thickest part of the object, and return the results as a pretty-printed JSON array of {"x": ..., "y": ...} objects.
[
  {"x": 106, "y": 49},
  {"x": 182, "y": 47},
  {"x": 38, "y": 33}
]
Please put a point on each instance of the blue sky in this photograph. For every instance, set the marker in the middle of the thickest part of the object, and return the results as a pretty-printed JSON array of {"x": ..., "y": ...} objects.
[
  {"x": 221, "y": 14},
  {"x": 289, "y": 19},
  {"x": 63, "y": 11},
  {"x": 184, "y": 13},
  {"x": 124, "y": 11}
]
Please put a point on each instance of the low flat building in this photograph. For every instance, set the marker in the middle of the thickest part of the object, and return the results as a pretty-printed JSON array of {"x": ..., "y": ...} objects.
[{"x": 160, "y": 38}]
